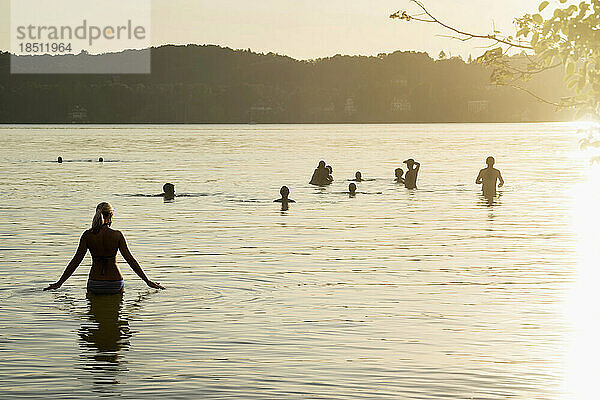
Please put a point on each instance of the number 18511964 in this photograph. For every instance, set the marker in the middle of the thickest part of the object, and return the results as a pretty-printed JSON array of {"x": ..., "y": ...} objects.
[{"x": 45, "y": 47}]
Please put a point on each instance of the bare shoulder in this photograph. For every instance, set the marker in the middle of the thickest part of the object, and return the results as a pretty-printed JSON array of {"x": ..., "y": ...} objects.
[{"x": 115, "y": 234}]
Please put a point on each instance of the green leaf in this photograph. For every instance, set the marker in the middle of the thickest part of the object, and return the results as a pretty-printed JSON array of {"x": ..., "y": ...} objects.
[
  {"x": 570, "y": 68},
  {"x": 537, "y": 18},
  {"x": 543, "y": 5},
  {"x": 563, "y": 1}
]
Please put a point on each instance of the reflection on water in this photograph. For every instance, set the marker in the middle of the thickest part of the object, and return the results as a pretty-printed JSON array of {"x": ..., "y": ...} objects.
[
  {"x": 104, "y": 337},
  {"x": 489, "y": 201}
]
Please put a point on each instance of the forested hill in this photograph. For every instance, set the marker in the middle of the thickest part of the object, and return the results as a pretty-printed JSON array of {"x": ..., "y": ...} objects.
[{"x": 211, "y": 84}]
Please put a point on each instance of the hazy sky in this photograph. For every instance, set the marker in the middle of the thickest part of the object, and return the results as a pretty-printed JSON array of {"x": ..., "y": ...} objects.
[{"x": 319, "y": 28}]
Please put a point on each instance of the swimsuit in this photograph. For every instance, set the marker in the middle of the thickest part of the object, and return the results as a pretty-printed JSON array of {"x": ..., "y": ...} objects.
[{"x": 105, "y": 287}]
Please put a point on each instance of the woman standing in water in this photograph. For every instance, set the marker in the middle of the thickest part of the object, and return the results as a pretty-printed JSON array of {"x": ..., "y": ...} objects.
[{"x": 103, "y": 243}]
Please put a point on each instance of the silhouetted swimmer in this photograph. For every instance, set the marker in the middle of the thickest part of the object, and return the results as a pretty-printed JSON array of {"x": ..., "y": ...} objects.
[
  {"x": 321, "y": 176},
  {"x": 399, "y": 172},
  {"x": 101, "y": 159},
  {"x": 103, "y": 243},
  {"x": 330, "y": 174},
  {"x": 359, "y": 178},
  {"x": 285, "y": 193},
  {"x": 410, "y": 179},
  {"x": 284, "y": 200},
  {"x": 489, "y": 178},
  {"x": 60, "y": 160},
  {"x": 317, "y": 176},
  {"x": 352, "y": 189},
  {"x": 168, "y": 191}
]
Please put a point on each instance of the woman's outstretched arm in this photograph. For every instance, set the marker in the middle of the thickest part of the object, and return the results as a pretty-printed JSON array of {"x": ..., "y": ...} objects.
[
  {"x": 135, "y": 266},
  {"x": 75, "y": 261}
]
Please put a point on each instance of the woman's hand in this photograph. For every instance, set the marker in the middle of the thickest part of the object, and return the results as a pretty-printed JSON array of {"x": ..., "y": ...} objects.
[
  {"x": 53, "y": 286},
  {"x": 155, "y": 285}
]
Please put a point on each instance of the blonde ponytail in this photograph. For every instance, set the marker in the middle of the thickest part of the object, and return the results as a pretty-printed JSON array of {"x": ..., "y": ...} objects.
[{"x": 104, "y": 213}]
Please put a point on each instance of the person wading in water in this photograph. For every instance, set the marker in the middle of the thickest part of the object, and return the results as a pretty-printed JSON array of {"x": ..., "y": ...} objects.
[
  {"x": 488, "y": 178},
  {"x": 103, "y": 243}
]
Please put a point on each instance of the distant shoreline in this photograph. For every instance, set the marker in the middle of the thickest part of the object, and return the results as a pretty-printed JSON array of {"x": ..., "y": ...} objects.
[
  {"x": 216, "y": 85},
  {"x": 278, "y": 123}
]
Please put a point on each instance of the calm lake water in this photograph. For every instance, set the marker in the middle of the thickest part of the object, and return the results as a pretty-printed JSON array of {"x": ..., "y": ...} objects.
[{"x": 424, "y": 294}]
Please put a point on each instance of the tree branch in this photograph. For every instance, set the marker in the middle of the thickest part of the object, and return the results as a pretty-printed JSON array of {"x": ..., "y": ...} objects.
[
  {"x": 458, "y": 31},
  {"x": 533, "y": 71},
  {"x": 537, "y": 97}
]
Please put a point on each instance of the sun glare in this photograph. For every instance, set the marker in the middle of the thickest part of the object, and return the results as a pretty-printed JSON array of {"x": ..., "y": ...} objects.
[{"x": 581, "y": 308}]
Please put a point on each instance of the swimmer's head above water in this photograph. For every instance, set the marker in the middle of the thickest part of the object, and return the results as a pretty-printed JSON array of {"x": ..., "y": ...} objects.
[
  {"x": 358, "y": 176},
  {"x": 285, "y": 193},
  {"x": 321, "y": 164},
  {"x": 101, "y": 159},
  {"x": 169, "y": 190},
  {"x": 60, "y": 160},
  {"x": 352, "y": 188}
]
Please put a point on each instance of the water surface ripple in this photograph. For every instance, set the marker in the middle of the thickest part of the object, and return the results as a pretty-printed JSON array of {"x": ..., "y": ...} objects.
[{"x": 429, "y": 294}]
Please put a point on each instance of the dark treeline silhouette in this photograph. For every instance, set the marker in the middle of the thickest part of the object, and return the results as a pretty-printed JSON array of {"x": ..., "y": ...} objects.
[{"x": 211, "y": 84}]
